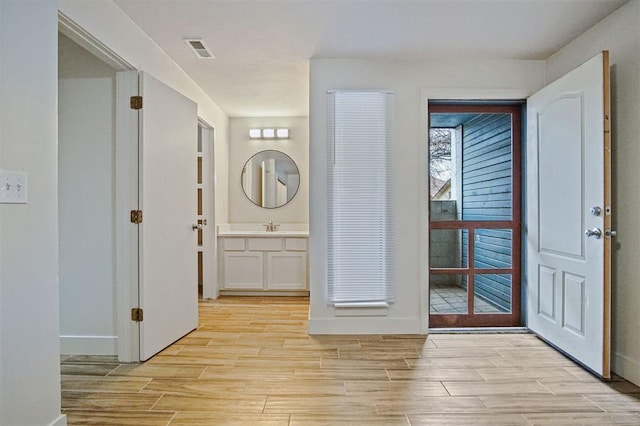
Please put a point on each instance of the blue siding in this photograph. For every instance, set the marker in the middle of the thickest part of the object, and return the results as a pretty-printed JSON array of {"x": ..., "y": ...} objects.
[{"x": 487, "y": 195}]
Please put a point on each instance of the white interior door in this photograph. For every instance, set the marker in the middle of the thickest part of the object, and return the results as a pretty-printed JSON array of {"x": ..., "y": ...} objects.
[
  {"x": 568, "y": 194},
  {"x": 167, "y": 198}
]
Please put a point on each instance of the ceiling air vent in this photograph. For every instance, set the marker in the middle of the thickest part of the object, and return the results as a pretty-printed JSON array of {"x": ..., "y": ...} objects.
[{"x": 199, "y": 48}]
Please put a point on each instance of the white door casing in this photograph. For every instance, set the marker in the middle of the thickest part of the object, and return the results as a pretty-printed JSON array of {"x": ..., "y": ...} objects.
[
  {"x": 568, "y": 155},
  {"x": 168, "y": 244},
  {"x": 209, "y": 287}
]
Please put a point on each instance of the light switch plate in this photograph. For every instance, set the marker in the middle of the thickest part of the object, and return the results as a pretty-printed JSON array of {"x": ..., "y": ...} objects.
[{"x": 13, "y": 187}]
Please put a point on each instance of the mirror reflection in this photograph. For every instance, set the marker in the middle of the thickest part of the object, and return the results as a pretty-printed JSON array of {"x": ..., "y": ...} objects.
[{"x": 270, "y": 179}]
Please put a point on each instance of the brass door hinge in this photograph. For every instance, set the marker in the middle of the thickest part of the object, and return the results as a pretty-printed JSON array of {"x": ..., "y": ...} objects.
[
  {"x": 136, "y": 102},
  {"x": 136, "y": 314},
  {"x": 136, "y": 216}
]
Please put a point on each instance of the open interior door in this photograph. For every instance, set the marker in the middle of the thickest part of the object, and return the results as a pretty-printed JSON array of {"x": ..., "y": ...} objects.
[
  {"x": 167, "y": 243},
  {"x": 569, "y": 214}
]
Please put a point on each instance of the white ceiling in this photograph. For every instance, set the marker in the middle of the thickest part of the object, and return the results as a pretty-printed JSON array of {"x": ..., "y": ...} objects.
[{"x": 262, "y": 47}]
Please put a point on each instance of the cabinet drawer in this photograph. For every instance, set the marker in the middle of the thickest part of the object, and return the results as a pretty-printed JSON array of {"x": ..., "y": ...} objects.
[
  {"x": 295, "y": 244},
  {"x": 234, "y": 244},
  {"x": 265, "y": 244}
]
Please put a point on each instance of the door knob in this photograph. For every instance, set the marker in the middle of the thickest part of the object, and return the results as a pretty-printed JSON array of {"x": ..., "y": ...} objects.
[
  {"x": 197, "y": 227},
  {"x": 595, "y": 210},
  {"x": 610, "y": 233},
  {"x": 594, "y": 232}
]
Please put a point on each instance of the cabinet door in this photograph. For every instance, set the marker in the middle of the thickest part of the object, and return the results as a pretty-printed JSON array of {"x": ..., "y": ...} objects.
[
  {"x": 287, "y": 271},
  {"x": 243, "y": 270}
]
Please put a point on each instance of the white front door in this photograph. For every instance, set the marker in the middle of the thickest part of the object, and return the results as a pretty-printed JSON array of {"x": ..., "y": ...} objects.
[
  {"x": 568, "y": 205},
  {"x": 168, "y": 200}
]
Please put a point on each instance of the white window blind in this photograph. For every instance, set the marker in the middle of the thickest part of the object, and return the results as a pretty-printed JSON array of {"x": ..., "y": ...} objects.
[{"x": 360, "y": 231}]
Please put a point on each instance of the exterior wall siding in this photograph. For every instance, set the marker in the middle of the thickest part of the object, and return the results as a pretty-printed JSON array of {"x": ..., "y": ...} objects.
[{"x": 487, "y": 195}]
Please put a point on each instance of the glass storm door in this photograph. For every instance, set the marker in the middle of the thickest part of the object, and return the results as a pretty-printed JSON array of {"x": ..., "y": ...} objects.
[{"x": 475, "y": 209}]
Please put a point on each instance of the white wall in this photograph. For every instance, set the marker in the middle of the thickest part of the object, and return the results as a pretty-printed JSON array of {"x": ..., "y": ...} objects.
[
  {"x": 406, "y": 79},
  {"x": 241, "y": 148},
  {"x": 86, "y": 144},
  {"x": 620, "y": 34},
  {"x": 105, "y": 21},
  {"x": 29, "y": 355}
]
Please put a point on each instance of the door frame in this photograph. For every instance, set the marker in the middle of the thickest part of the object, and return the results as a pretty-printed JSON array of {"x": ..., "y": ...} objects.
[
  {"x": 126, "y": 185},
  {"x": 126, "y": 188},
  {"x": 210, "y": 233},
  {"x": 514, "y": 317},
  {"x": 439, "y": 94}
]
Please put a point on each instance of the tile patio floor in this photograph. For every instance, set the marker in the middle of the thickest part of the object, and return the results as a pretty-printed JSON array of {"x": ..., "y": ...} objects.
[{"x": 451, "y": 299}]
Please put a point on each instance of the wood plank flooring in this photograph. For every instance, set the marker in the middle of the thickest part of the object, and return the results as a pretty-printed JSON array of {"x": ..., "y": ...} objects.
[{"x": 251, "y": 362}]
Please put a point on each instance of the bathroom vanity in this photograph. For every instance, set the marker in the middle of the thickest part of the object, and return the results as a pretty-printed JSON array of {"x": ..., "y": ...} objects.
[{"x": 262, "y": 262}]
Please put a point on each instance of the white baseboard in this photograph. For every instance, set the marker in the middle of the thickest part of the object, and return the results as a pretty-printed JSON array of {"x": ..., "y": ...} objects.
[
  {"x": 60, "y": 421},
  {"x": 626, "y": 367},
  {"x": 89, "y": 345},
  {"x": 364, "y": 325}
]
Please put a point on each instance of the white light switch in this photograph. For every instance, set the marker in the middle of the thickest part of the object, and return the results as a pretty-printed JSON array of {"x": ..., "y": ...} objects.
[{"x": 13, "y": 187}]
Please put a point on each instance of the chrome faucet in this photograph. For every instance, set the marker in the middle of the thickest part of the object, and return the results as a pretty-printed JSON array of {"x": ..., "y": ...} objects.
[{"x": 271, "y": 227}]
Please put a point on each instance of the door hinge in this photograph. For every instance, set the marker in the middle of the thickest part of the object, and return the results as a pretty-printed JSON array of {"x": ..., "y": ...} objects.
[
  {"x": 136, "y": 102},
  {"x": 136, "y": 216},
  {"x": 136, "y": 314}
]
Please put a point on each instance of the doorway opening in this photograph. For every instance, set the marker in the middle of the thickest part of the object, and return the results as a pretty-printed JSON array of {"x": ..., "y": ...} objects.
[
  {"x": 86, "y": 201},
  {"x": 205, "y": 187},
  {"x": 102, "y": 261},
  {"x": 474, "y": 215}
]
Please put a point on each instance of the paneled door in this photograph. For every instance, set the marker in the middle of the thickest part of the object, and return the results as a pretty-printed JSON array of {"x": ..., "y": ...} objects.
[{"x": 569, "y": 214}]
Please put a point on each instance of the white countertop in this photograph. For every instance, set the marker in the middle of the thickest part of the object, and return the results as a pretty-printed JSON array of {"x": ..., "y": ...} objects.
[
  {"x": 258, "y": 230},
  {"x": 263, "y": 234}
]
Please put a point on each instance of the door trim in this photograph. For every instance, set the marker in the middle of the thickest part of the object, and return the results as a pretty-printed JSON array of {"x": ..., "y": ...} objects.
[
  {"x": 210, "y": 288},
  {"x": 78, "y": 34}
]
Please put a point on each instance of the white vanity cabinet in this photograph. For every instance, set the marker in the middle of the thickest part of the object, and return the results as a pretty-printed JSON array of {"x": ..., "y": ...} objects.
[{"x": 263, "y": 263}]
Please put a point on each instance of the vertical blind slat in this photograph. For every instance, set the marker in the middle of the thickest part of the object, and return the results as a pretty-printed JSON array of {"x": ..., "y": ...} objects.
[{"x": 360, "y": 226}]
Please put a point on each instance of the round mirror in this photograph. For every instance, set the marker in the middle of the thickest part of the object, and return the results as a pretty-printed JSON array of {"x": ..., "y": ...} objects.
[{"x": 270, "y": 179}]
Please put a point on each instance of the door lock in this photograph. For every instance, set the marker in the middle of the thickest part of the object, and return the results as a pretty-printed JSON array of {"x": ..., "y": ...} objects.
[
  {"x": 596, "y": 211},
  {"x": 594, "y": 232}
]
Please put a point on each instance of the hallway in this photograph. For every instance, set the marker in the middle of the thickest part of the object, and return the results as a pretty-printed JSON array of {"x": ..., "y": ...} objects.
[{"x": 251, "y": 361}]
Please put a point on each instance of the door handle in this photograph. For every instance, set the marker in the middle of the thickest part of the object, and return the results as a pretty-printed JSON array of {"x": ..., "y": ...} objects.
[
  {"x": 594, "y": 232},
  {"x": 197, "y": 227}
]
